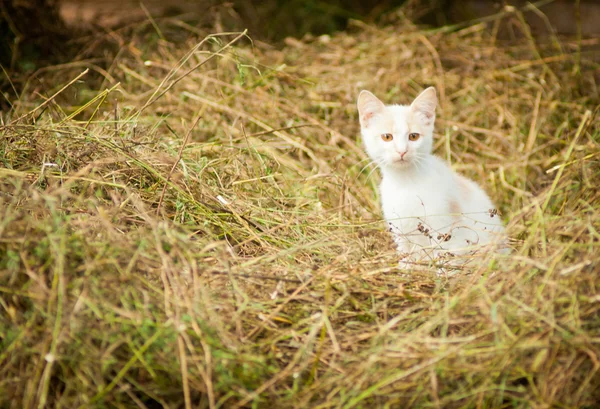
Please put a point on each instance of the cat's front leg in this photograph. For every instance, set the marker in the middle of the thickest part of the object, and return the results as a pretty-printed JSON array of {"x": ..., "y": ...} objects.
[
  {"x": 413, "y": 252},
  {"x": 412, "y": 255},
  {"x": 405, "y": 249}
]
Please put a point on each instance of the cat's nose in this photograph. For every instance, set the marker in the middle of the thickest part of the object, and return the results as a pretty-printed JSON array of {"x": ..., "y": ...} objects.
[{"x": 402, "y": 154}]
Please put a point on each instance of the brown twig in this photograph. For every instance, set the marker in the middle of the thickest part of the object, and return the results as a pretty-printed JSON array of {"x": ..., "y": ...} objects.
[
  {"x": 261, "y": 277},
  {"x": 185, "y": 141}
]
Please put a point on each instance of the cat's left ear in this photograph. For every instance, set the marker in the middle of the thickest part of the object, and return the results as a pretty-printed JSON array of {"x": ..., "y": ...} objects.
[{"x": 424, "y": 105}]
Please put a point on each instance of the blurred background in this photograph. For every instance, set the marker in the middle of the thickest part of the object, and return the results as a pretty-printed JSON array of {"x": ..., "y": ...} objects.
[{"x": 34, "y": 31}]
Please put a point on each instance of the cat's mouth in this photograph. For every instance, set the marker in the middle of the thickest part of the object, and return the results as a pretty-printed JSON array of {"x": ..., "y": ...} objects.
[{"x": 401, "y": 161}]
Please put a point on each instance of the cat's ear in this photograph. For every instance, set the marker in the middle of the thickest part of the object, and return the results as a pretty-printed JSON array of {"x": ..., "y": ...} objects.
[
  {"x": 424, "y": 105},
  {"x": 368, "y": 107}
]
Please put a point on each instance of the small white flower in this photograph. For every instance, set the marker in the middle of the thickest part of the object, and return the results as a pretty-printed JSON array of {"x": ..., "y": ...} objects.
[{"x": 222, "y": 200}]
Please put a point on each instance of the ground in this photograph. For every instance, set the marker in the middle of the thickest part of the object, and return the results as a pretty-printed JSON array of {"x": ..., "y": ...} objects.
[{"x": 190, "y": 221}]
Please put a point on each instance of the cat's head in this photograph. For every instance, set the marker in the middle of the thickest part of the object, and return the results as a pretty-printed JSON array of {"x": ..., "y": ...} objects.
[{"x": 397, "y": 136}]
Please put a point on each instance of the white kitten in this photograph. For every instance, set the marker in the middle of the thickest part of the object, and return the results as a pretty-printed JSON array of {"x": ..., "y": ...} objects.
[{"x": 432, "y": 211}]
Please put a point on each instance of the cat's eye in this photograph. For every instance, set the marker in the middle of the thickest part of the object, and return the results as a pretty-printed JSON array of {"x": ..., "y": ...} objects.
[
  {"x": 413, "y": 136},
  {"x": 387, "y": 137}
]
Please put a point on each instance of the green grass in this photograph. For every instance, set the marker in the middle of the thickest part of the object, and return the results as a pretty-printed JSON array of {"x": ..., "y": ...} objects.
[{"x": 242, "y": 262}]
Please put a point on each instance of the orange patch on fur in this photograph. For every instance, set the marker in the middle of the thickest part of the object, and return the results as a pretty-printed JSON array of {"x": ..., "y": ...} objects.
[
  {"x": 455, "y": 209},
  {"x": 465, "y": 189}
]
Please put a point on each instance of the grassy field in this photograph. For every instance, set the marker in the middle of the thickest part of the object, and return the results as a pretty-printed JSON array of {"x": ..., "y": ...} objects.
[{"x": 195, "y": 225}]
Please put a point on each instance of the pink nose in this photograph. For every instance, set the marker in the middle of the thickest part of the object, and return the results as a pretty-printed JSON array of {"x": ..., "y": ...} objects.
[{"x": 402, "y": 154}]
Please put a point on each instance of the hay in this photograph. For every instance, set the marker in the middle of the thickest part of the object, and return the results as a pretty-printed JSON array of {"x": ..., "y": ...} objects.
[{"x": 207, "y": 232}]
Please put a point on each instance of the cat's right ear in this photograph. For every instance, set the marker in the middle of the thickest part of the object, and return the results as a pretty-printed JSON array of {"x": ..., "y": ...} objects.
[{"x": 368, "y": 107}]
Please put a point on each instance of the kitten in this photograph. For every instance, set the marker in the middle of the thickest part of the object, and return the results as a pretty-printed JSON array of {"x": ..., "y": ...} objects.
[{"x": 433, "y": 213}]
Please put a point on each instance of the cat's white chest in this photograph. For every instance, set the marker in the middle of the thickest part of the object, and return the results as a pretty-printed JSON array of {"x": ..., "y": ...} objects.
[
  {"x": 417, "y": 209},
  {"x": 402, "y": 203},
  {"x": 406, "y": 207}
]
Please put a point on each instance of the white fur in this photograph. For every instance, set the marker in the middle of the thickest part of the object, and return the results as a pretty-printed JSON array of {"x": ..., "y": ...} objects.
[{"x": 423, "y": 199}]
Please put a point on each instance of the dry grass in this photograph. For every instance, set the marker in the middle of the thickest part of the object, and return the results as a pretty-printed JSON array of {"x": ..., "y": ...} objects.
[{"x": 202, "y": 230}]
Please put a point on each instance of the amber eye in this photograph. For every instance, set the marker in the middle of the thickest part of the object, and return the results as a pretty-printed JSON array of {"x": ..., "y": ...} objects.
[
  {"x": 413, "y": 136},
  {"x": 387, "y": 137}
]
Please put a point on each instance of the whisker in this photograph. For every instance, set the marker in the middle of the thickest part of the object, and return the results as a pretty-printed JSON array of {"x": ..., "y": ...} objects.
[
  {"x": 372, "y": 162},
  {"x": 377, "y": 165}
]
